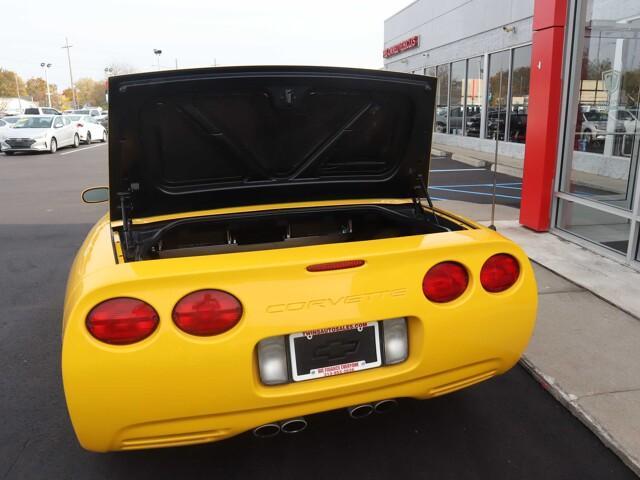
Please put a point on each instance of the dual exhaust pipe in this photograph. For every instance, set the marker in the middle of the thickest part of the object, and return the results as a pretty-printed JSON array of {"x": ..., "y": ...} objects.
[
  {"x": 293, "y": 425},
  {"x": 361, "y": 411},
  {"x": 296, "y": 425}
]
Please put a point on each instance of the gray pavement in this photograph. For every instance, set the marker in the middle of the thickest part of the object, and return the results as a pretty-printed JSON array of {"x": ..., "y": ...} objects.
[
  {"x": 508, "y": 427},
  {"x": 586, "y": 347},
  {"x": 454, "y": 180},
  {"x": 45, "y": 188}
]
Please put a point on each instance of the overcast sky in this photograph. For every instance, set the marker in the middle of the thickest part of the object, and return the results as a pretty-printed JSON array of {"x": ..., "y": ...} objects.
[{"x": 195, "y": 32}]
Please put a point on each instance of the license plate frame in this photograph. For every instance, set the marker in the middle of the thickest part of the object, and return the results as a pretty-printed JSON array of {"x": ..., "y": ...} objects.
[{"x": 335, "y": 335}]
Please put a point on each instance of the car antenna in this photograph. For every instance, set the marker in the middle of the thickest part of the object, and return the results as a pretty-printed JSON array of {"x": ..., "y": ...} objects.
[{"x": 492, "y": 226}]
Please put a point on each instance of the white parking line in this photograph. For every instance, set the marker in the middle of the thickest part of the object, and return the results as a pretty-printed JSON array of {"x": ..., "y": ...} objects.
[
  {"x": 457, "y": 170},
  {"x": 455, "y": 190},
  {"x": 76, "y": 150},
  {"x": 499, "y": 185}
]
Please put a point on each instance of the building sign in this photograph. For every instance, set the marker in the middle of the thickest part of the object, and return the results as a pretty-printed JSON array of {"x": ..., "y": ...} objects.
[{"x": 404, "y": 45}]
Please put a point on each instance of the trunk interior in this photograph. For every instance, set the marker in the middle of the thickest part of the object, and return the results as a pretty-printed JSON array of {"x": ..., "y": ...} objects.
[{"x": 264, "y": 230}]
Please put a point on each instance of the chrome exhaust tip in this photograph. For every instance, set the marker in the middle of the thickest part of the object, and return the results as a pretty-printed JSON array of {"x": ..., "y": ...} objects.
[
  {"x": 293, "y": 425},
  {"x": 384, "y": 406},
  {"x": 267, "y": 430},
  {"x": 360, "y": 411}
]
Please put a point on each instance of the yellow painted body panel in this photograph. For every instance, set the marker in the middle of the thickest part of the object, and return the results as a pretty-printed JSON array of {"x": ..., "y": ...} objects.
[{"x": 177, "y": 389}]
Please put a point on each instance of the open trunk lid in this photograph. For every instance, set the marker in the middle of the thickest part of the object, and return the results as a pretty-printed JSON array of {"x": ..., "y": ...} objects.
[{"x": 189, "y": 140}]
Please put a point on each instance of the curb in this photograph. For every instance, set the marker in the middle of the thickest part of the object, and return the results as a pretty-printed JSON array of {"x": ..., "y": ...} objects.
[
  {"x": 508, "y": 170},
  {"x": 474, "y": 162},
  {"x": 479, "y": 163},
  {"x": 570, "y": 402},
  {"x": 440, "y": 153}
]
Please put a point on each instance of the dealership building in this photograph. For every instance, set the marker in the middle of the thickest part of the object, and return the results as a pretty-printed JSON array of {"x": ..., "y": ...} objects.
[{"x": 558, "y": 83}]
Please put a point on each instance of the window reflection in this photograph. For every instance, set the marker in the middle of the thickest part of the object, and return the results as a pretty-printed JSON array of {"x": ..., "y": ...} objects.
[
  {"x": 456, "y": 98},
  {"x": 608, "y": 230},
  {"x": 442, "y": 99},
  {"x": 604, "y": 160},
  {"x": 497, "y": 94},
  {"x": 474, "y": 96},
  {"x": 520, "y": 72}
]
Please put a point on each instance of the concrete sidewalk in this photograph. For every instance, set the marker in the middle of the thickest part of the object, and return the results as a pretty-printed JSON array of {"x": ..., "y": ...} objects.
[{"x": 586, "y": 345}]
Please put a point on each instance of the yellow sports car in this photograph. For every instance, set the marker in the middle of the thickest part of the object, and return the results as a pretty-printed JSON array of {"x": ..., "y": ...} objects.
[{"x": 271, "y": 252}]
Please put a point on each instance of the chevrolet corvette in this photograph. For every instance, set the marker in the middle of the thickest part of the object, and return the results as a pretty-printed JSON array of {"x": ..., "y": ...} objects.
[{"x": 270, "y": 252}]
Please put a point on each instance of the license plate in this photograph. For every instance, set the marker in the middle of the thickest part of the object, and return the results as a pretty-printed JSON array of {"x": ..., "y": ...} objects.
[{"x": 334, "y": 351}]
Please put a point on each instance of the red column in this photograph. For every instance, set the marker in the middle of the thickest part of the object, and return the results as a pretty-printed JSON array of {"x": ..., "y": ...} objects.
[{"x": 543, "y": 120}]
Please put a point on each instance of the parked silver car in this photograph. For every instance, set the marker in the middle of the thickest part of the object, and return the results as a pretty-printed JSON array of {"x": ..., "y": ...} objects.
[
  {"x": 41, "y": 111},
  {"x": 88, "y": 128},
  {"x": 40, "y": 133}
]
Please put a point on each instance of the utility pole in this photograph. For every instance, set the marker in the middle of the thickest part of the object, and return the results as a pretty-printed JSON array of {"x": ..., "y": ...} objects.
[
  {"x": 46, "y": 66},
  {"x": 73, "y": 88},
  {"x": 15, "y": 75}
]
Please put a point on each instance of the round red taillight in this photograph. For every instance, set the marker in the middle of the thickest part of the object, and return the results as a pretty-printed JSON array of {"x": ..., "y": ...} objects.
[
  {"x": 499, "y": 273},
  {"x": 122, "y": 321},
  {"x": 207, "y": 312},
  {"x": 445, "y": 281}
]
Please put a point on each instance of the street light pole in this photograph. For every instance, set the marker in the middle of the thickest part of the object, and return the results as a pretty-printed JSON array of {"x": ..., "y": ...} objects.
[
  {"x": 157, "y": 52},
  {"x": 45, "y": 67},
  {"x": 107, "y": 73},
  {"x": 73, "y": 88}
]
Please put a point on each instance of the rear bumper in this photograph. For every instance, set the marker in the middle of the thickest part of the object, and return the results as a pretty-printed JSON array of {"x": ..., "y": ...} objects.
[
  {"x": 219, "y": 426},
  {"x": 198, "y": 392}
]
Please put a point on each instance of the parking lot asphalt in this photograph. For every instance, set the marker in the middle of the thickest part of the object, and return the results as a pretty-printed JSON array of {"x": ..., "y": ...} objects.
[
  {"x": 508, "y": 427},
  {"x": 451, "y": 180}
]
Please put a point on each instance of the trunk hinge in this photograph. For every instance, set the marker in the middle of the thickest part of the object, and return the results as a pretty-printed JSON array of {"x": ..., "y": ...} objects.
[
  {"x": 126, "y": 208},
  {"x": 421, "y": 191}
]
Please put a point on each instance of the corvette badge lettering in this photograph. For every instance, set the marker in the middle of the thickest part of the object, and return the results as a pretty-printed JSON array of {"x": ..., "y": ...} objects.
[{"x": 334, "y": 302}]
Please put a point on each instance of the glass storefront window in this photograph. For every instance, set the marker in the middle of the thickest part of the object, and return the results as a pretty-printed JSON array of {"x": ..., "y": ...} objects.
[
  {"x": 460, "y": 98},
  {"x": 474, "y": 96},
  {"x": 601, "y": 161},
  {"x": 442, "y": 99},
  {"x": 600, "y": 227},
  {"x": 520, "y": 72},
  {"x": 456, "y": 97},
  {"x": 497, "y": 94}
]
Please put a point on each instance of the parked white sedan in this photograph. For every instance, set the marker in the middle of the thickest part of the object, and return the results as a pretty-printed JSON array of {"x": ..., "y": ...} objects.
[
  {"x": 4, "y": 129},
  {"x": 89, "y": 128},
  {"x": 39, "y": 133}
]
